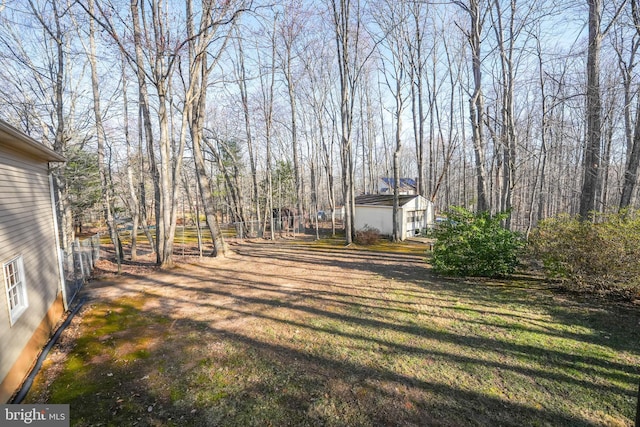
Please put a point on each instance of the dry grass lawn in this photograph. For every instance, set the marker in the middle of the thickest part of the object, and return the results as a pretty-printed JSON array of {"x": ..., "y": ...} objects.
[{"x": 310, "y": 333}]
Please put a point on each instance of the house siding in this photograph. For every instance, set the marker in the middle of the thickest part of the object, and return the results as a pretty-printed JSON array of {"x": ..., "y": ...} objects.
[{"x": 27, "y": 230}]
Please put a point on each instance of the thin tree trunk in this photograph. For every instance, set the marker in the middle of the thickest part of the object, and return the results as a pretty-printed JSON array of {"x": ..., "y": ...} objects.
[
  {"x": 133, "y": 198},
  {"x": 100, "y": 136},
  {"x": 142, "y": 207},
  {"x": 633, "y": 156},
  {"x": 267, "y": 95},
  {"x": 242, "y": 83},
  {"x": 631, "y": 170},
  {"x": 476, "y": 106},
  {"x": 294, "y": 132},
  {"x": 343, "y": 32},
  {"x": 65, "y": 214},
  {"x": 143, "y": 95}
]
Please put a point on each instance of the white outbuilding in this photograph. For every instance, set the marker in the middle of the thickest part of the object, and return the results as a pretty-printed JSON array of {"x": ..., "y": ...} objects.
[{"x": 415, "y": 214}]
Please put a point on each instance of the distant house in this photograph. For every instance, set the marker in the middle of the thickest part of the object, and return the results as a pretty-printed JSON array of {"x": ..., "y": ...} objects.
[
  {"x": 31, "y": 296},
  {"x": 376, "y": 211},
  {"x": 407, "y": 186}
]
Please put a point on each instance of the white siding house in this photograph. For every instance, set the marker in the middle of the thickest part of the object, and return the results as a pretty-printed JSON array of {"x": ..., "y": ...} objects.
[
  {"x": 31, "y": 300},
  {"x": 376, "y": 211}
]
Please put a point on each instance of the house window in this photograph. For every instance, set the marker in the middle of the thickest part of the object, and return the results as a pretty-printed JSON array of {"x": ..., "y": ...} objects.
[{"x": 15, "y": 288}]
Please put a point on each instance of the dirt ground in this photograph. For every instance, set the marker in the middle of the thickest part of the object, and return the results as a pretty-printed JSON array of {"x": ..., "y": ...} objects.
[
  {"x": 282, "y": 269},
  {"x": 249, "y": 293}
]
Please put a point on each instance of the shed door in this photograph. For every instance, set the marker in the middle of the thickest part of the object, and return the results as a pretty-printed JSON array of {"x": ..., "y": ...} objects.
[{"x": 414, "y": 222}]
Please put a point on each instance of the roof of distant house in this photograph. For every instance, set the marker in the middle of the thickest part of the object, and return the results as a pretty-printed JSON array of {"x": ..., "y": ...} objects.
[{"x": 404, "y": 182}]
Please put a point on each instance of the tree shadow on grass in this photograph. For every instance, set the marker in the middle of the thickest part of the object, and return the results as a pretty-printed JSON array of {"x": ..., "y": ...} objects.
[
  {"x": 601, "y": 317},
  {"x": 297, "y": 383},
  {"x": 221, "y": 377}
]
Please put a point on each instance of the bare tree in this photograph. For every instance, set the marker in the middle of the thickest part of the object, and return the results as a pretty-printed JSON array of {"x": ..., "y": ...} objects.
[
  {"x": 214, "y": 22},
  {"x": 133, "y": 199},
  {"x": 164, "y": 42},
  {"x": 107, "y": 205},
  {"x": 319, "y": 96},
  {"x": 241, "y": 78},
  {"x": 351, "y": 58},
  {"x": 593, "y": 153},
  {"x": 393, "y": 21},
  {"x": 51, "y": 85},
  {"x": 474, "y": 34},
  {"x": 417, "y": 60},
  {"x": 267, "y": 87},
  {"x": 633, "y": 140},
  {"x": 290, "y": 31}
]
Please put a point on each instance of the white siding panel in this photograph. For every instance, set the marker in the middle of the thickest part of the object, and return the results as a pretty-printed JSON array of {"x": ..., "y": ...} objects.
[
  {"x": 375, "y": 217},
  {"x": 26, "y": 228}
]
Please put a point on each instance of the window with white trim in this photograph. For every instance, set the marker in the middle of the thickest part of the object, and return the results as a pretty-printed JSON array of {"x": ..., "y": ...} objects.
[{"x": 15, "y": 288}]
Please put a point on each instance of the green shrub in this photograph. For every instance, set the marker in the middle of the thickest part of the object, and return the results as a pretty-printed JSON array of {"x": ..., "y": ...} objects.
[
  {"x": 367, "y": 236},
  {"x": 469, "y": 244},
  {"x": 601, "y": 256}
]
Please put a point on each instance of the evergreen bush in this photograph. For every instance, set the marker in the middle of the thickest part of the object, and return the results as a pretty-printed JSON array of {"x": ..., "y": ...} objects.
[{"x": 469, "y": 244}]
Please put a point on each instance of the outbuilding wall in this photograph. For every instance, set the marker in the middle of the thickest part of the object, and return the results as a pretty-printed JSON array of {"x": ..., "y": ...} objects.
[{"x": 380, "y": 216}]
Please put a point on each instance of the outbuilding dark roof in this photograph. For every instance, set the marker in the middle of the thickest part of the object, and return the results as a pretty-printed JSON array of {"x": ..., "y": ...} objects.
[{"x": 383, "y": 199}]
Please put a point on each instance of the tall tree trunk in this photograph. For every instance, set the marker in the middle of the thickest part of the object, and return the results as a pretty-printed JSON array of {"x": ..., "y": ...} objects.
[
  {"x": 64, "y": 212},
  {"x": 100, "y": 136},
  {"x": 343, "y": 33},
  {"x": 327, "y": 156},
  {"x": 242, "y": 84},
  {"x": 397, "y": 225},
  {"x": 539, "y": 178},
  {"x": 204, "y": 186},
  {"x": 508, "y": 130},
  {"x": 633, "y": 156},
  {"x": 143, "y": 99},
  {"x": 267, "y": 100},
  {"x": 134, "y": 203},
  {"x": 294, "y": 130},
  {"x": 476, "y": 105},
  {"x": 594, "y": 107},
  {"x": 141, "y": 182},
  {"x": 633, "y": 160},
  {"x": 195, "y": 110},
  {"x": 220, "y": 247},
  {"x": 417, "y": 96}
]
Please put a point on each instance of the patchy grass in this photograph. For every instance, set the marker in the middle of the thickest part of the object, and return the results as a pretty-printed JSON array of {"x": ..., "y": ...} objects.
[
  {"x": 311, "y": 333},
  {"x": 383, "y": 245}
]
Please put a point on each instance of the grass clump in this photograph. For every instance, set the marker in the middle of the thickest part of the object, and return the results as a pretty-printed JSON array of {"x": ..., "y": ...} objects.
[
  {"x": 599, "y": 256},
  {"x": 367, "y": 236},
  {"x": 475, "y": 244}
]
